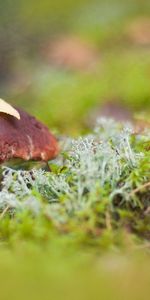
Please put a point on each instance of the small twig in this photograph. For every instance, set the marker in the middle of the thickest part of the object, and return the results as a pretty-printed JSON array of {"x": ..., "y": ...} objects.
[
  {"x": 48, "y": 167},
  {"x": 147, "y": 184},
  {"x": 108, "y": 221},
  {"x": 4, "y": 212}
]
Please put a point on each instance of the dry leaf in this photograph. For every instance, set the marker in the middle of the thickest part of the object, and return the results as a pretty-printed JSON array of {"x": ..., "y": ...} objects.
[
  {"x": 73, "y": 53},
  {"x": 138, "y": 31},
  {"x": 8, "y": 109}
]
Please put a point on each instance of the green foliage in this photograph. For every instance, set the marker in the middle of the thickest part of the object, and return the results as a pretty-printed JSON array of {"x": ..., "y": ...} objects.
[{"x": 43, "y": 87}]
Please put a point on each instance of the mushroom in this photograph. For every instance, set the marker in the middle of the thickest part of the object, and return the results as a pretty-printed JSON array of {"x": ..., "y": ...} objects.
[{"x": 24, "y": 137}]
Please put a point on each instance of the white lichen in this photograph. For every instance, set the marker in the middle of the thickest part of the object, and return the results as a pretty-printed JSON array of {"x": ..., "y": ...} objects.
[{"x": 102, "y": 160}]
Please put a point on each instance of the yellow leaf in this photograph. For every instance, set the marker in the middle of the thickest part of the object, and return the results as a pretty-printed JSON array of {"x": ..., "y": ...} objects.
[{"x": 8, "y": 109}]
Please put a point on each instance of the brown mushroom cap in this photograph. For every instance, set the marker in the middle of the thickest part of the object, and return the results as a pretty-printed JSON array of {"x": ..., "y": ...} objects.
[{"x": 26, "y": 138}]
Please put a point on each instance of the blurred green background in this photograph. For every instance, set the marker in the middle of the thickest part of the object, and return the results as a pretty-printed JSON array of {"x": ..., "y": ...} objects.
[{"x": 60, "y": 60}]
